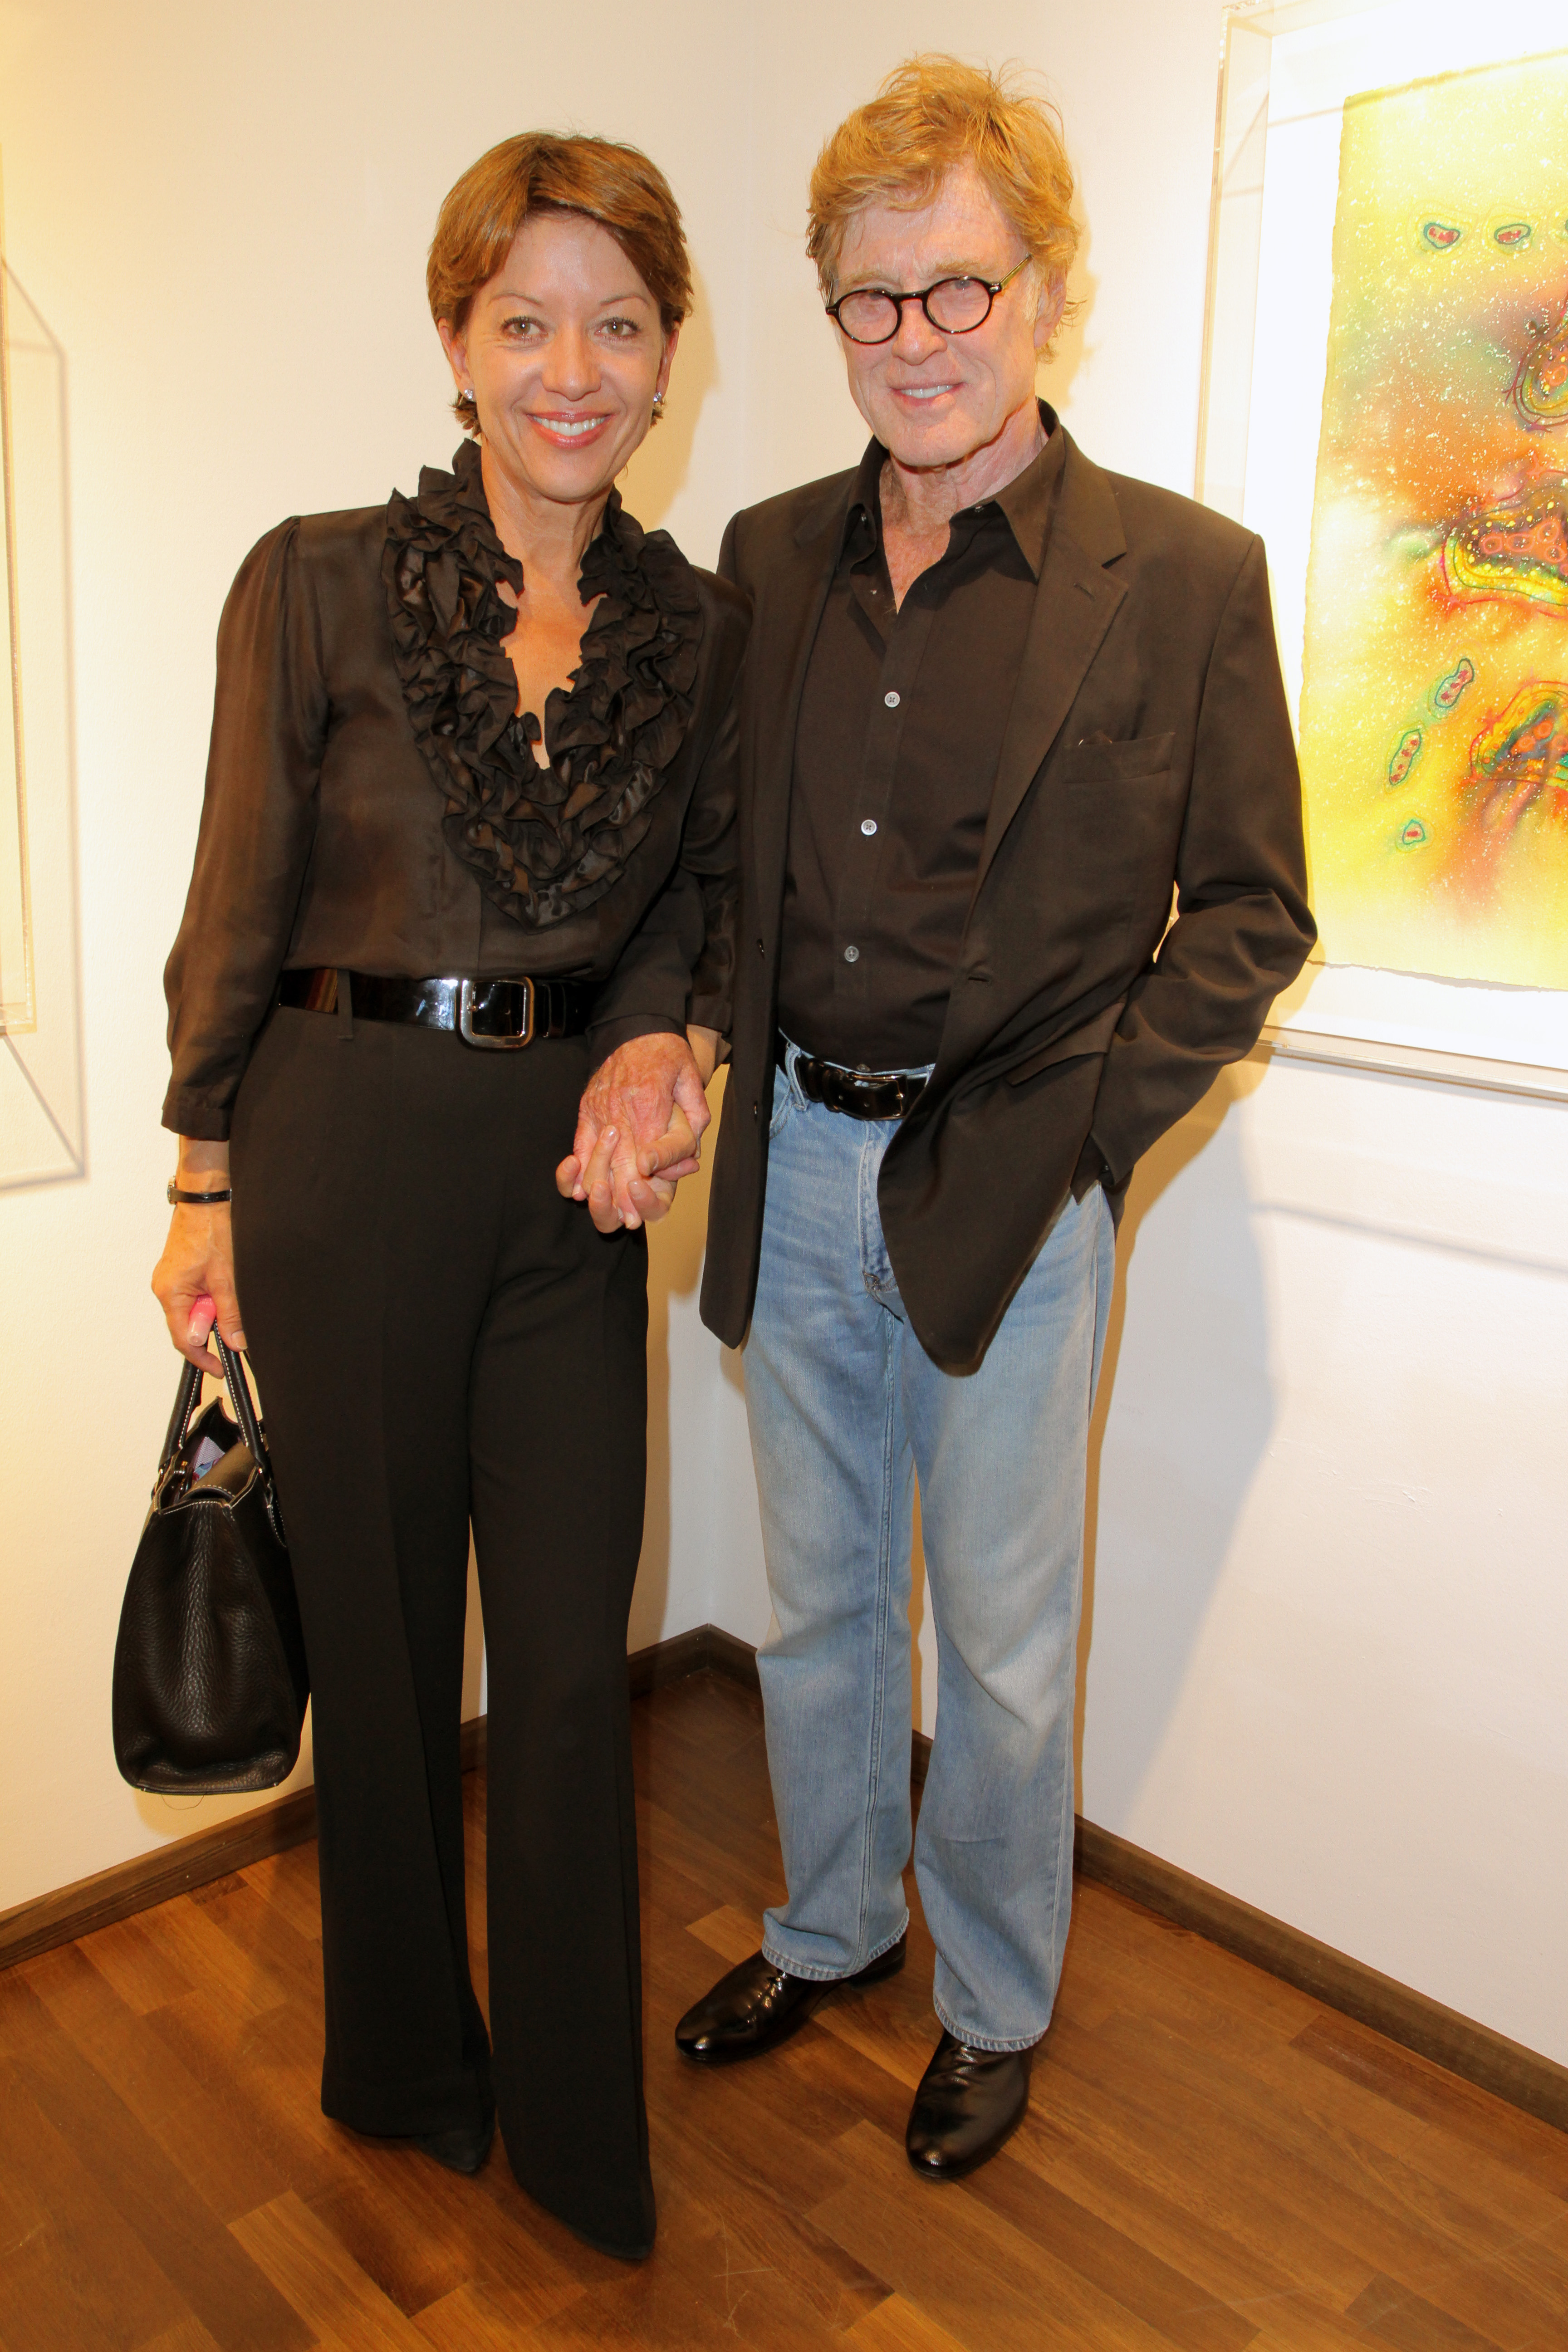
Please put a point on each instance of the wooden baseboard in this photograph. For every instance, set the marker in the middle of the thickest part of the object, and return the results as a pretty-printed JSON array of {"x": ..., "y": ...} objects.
[
  {"x": 1523, "y": 2077},
  {"x": 726, "y": 1654},
  {"x": 149, "y": 1878},
  {"x": 671, "y": 1661}
]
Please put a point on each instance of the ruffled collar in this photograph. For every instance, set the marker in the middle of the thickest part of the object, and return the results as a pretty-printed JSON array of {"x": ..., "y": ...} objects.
[{"x": 544, "y": 843}]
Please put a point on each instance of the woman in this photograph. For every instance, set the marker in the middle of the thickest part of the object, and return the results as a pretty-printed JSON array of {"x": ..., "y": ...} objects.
[{"x": 466, "y": 851}]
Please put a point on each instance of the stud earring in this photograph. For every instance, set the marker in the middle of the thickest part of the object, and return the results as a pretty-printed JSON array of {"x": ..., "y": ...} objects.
[{"x": 658, "y": 400}]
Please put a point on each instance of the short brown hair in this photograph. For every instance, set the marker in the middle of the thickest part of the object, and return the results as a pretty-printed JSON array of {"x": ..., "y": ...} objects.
[
  {"x": 931, "y": 113},
  {"x": 537, "y": 171}
]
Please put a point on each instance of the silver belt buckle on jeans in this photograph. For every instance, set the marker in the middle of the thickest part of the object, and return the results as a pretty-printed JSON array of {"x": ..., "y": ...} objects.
[{"x": 510, "y": 1041}]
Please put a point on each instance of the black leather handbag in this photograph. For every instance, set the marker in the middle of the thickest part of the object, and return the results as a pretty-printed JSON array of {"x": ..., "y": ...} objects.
[{"x": 210, "y": 1679}]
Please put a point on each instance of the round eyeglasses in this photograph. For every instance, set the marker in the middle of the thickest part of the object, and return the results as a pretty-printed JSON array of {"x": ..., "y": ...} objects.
[{"x": 955, "y": 306}]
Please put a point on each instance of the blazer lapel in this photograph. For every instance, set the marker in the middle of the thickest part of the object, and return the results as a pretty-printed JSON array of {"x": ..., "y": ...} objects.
[
  {"x": 784, "y": 630},
  {"x": 1074, "y": 604}
]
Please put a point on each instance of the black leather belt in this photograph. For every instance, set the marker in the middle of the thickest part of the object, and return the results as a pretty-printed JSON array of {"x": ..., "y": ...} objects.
[
  {"x": 499, "y": 1014},
  {"x": 858, "y": 1094}
]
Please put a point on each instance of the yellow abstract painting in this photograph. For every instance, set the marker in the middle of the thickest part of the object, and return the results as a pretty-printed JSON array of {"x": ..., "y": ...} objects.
[{"x": 1435, "y": 697}]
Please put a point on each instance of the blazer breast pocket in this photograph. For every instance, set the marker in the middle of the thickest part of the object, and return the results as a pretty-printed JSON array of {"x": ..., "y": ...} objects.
[{"x": 1097, "y": 762}]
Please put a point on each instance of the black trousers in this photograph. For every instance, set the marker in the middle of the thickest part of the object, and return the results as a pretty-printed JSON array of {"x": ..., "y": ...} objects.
[{"x": 439, "y": 1337}]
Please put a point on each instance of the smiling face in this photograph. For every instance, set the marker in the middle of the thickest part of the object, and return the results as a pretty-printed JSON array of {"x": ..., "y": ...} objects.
[
  {"x": 564, "y": 351},
  {"x": 934, "y": 399}
]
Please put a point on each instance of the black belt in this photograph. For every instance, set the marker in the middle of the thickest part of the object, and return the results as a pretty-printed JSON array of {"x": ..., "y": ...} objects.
[
  {"x": 502, "y": 1014},
  {"x": 858, "y": 1094}
]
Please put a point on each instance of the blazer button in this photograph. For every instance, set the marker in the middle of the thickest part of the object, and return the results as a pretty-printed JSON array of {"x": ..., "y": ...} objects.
[
  {"x": 761, "y": 948},
  {"x": 753, "y": 1111}
]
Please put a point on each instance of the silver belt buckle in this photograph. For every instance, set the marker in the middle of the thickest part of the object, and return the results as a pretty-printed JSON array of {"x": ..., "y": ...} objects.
[{"x": 509, "y": 1043}]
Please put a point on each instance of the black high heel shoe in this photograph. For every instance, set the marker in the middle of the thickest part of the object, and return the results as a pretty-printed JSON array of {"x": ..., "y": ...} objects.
[{"x": 463, "y": 2148}]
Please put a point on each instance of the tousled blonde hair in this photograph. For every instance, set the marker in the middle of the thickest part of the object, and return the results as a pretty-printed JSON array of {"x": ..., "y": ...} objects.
[{"x": 931, "y": 113}]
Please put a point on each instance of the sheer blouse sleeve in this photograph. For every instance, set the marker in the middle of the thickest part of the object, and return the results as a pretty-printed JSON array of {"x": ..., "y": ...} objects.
[
  {"x": 258, "y": 814},
  {"x": 679, "y": 965}
]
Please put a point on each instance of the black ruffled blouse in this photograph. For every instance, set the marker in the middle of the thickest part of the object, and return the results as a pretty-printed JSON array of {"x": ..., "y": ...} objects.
[{"x": 373, "y": 799}]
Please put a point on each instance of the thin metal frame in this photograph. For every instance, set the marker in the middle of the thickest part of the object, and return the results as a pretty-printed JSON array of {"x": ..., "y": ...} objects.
[
  {"x": 15, "y": 1020},
  {"x": 1539, "y": 1081}
]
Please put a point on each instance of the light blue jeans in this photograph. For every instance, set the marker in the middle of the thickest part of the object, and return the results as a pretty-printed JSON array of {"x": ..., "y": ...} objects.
[{"x": 845, "y": 1406}]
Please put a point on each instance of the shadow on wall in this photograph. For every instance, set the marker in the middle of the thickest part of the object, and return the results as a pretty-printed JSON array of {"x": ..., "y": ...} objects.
[
  {"x": 1182, "y": 1422},
  {"x": 650, "y": 485},
  {"x": 675, "y": 1249},
  {"x": 1057, "y": 375},
  {"x": 658, "y": 473}
]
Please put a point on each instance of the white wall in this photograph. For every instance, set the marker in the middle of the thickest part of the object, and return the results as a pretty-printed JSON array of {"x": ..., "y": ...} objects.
[{"x": 1326, "y": 1640}]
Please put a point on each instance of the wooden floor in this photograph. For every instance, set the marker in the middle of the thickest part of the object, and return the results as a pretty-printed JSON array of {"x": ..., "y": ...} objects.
[{"x": 1212, "y": 2159}]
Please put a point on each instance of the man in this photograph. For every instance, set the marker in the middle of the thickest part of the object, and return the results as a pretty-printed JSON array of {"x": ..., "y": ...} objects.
[{"x": 997, "y": 704}]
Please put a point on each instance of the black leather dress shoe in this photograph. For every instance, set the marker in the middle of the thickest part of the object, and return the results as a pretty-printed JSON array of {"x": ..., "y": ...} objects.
[
  {"x": 968, "y": 2103},
  {"x": 757, "y": 2006},
  {"x": 463, "y": 2148}
]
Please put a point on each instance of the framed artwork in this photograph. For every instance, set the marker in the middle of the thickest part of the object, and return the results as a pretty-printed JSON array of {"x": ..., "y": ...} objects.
[
  {"x": 41, "y": 1119},
  {"x": 1385, "y": 398}
]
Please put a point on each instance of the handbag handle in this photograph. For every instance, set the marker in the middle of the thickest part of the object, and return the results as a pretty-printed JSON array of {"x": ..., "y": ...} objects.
[
  {"x": 187, "y": 1396},
  {"x": 238, "y": 1388}
]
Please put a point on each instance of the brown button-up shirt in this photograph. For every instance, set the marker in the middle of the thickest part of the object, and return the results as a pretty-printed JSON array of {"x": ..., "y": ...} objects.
[{"x": 900, "y": 728}]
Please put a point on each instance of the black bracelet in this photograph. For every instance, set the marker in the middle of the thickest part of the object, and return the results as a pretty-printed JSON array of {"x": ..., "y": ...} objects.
[{"x": 178, "y": 1200}]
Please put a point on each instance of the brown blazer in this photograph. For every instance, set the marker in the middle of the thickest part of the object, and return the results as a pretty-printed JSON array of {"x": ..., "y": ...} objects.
[{"x": 1148, "y": 746}]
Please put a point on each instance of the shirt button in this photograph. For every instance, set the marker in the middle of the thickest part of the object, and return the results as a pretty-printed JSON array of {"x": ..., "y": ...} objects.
[
  {"x": 892, "y": 701},
  {"x": 851, "y": 955},
  {"x": 867, "y": 826}
]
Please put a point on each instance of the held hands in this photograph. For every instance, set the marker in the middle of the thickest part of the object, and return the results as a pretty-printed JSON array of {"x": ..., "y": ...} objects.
[{"x": 639, "y": 1126}]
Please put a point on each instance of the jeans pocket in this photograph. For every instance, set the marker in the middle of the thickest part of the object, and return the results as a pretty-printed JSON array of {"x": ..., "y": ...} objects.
[{"x": 782, "y": 1104}]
